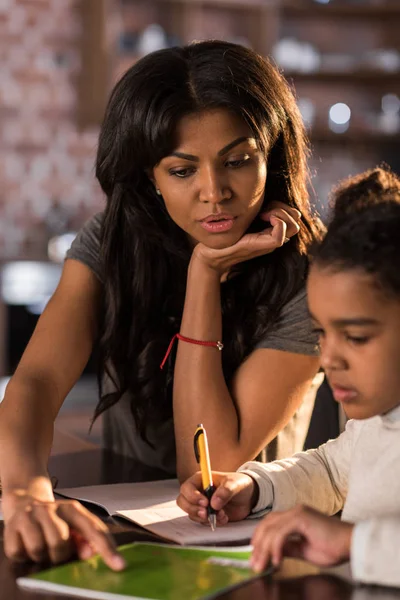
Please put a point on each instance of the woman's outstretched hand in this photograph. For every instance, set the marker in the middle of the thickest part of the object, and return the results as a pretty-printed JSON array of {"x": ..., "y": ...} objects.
[
  {"x": 284, "y": 223},
  {"x": 301, "y": 532},
  {"x": 54, "y": 531}
]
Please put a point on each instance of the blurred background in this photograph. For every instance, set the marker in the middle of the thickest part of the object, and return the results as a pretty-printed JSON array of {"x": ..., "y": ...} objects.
[{"x": 60, "y": 59}]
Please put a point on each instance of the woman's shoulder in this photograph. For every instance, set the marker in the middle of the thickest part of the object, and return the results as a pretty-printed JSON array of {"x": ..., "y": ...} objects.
[
  {"x": 86, "y": 245},
  {"x": 297, "y": 305},
  {"x": 293, "y": 330}
]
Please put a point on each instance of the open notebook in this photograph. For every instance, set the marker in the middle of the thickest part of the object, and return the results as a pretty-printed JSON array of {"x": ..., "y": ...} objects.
[
  {"x": 153, "y": 506},
  {"x": 154, "y": 571}
]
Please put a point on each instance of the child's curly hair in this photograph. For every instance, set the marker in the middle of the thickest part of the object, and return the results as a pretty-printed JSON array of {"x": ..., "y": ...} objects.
[{"x": 364, "y": 232}]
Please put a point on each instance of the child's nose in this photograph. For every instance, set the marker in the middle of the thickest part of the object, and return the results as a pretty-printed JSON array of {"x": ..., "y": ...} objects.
[{"x": 331, "y": 357}]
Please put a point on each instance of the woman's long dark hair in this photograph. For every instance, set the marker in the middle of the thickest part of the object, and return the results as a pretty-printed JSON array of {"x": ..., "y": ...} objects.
[{"x": 145, "y": 255}]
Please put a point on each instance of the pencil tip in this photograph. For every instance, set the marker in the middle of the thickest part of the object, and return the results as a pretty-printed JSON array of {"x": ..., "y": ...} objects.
[{"x": 212, "y": 519}]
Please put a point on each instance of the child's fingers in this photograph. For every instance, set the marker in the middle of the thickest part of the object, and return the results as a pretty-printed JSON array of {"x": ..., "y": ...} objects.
[
  {"x": 277, "y": 541},
  {"x": 273, "y": 533},
  {"x": 230, "y": 486},
  {"x": 191, "y": 509},
  {"x": 202, "y": 517},
  {"x": 294, "y": 548},
  {"x": 262, "y": 540},
  {"x": 262, "y": 529},
  {"x": 191, "y": 490},
  {"x": 261, "y": 555},
  {"x": 268, "y": 549},
  {"x": 222, "y": 518}
]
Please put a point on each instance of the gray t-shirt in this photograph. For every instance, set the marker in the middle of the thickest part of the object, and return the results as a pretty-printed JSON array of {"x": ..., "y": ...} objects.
[{"x": 292, "y": 332}]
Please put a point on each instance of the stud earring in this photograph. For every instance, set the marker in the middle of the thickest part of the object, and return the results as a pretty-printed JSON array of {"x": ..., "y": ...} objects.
[{"x": 158, "y": 192}]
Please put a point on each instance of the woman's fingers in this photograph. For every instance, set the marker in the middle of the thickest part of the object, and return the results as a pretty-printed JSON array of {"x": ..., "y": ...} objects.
[
  {"x": 93, "y": 530},
  {"x": 60, "y": 545},
  {"x": 14, "y": 547},
  {"x": 294, "y": 213},
  {"x": 289, "y": 215},
  {"x": 41, "y": 530},
  {"x": 82, "y": 547},
  {"x": 279, "y": 231},
  {"x": 252, "y": 245},
  {"x": 32, "y": 537}
]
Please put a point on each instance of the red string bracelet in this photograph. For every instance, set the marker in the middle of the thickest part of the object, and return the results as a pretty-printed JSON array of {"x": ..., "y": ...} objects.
[{"x": 218, "y": 345}]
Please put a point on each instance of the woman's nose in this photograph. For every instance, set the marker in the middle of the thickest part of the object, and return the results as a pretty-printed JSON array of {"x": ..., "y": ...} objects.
[{"x": 213, "y": 187}]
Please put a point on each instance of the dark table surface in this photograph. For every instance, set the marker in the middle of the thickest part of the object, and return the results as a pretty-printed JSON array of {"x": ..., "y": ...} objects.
[{"x": 294, "y": 581}]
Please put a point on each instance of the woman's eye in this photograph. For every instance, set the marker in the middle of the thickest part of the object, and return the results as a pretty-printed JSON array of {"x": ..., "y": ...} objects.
[
  {"x": 182, "y": 173},
  {"x": 235, "y": 164}
]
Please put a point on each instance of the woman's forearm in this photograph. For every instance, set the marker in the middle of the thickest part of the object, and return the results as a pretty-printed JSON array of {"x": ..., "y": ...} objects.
[
  {"x": 26, "y": 434},
  {"x": 200, "y": 391}
]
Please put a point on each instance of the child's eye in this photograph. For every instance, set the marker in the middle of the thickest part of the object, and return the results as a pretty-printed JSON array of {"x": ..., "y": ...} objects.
[
  {"x": 320, "y": 332},
  {"x": 358, "y": 340}
]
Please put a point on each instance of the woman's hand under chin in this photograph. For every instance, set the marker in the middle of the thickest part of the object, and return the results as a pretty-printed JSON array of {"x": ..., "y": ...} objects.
[{"x": 284, "y": 224}]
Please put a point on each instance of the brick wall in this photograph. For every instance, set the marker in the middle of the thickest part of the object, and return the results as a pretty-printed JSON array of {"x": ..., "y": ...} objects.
[{"x": 46, "y": 163}]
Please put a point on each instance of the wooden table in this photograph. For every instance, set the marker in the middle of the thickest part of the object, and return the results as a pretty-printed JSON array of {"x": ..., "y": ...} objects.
[{"x": 295, "y": 581}]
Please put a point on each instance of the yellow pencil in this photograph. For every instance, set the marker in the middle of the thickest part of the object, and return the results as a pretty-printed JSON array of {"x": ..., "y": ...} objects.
[{"x": 203, "y": 457}]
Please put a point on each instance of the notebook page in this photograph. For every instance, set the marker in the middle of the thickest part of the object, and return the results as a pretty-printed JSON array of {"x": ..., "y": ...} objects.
[
  {"x": 167, "y": 520},
  {"x": 125, "y": 496}
]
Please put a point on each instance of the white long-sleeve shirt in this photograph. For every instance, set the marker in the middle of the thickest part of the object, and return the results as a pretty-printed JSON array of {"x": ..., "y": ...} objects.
[{"x": 358, "y": 473}]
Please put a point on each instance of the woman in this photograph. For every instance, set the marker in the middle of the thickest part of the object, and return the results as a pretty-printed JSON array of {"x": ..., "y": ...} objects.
[{"x": 197, "y": 147}]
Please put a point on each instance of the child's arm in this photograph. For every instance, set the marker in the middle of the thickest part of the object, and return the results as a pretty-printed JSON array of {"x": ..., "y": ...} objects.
[
  {"x": 302, "y": 532},
  {"x": 375, "y": 556},
  {"x": 317, "y": 478}
]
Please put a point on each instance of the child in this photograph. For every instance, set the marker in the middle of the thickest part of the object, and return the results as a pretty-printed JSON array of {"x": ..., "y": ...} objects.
[{"x": 354, "y": 299}]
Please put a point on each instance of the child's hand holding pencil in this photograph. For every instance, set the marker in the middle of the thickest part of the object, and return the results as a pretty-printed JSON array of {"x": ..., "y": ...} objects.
[{"x": 234, "y": 497}]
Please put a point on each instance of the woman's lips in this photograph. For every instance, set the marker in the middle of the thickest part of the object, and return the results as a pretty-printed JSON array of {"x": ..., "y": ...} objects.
[
  {"x": 342, "y": 394},
  {"x": 218, "y": 226}
]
